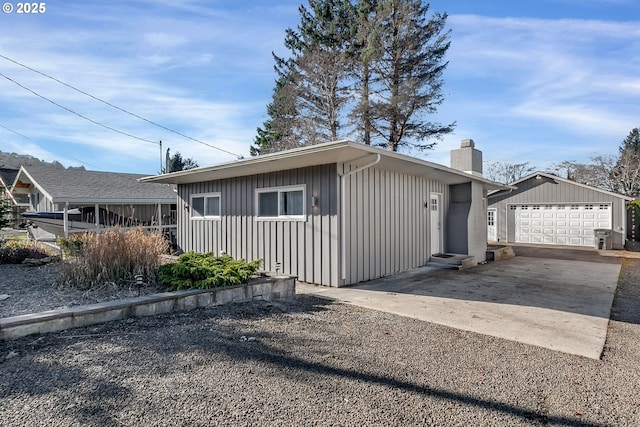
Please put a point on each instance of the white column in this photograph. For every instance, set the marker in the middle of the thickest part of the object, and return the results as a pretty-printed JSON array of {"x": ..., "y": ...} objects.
[{"x": 65, "y": 220}]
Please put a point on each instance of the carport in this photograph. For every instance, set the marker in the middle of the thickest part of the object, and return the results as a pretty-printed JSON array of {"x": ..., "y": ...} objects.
[{"x": 556, "y": 298}]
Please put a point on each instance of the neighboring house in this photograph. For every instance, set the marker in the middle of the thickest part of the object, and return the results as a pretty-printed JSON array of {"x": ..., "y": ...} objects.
[
  {"x": 335, "y": 213},
  {"x": 71, "y": 200},
  {"x": 7, "y": 176},
  {"x": 551, "y": 210}
]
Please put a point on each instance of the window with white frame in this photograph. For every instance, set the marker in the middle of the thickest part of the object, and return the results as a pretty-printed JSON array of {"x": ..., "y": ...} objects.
[
  {"x": 205, "y": 206},
  {"x": 281, "y": 202}
]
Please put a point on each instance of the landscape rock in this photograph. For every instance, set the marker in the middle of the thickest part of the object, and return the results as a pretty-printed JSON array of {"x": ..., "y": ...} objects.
[{"x": 34, "y": 262}]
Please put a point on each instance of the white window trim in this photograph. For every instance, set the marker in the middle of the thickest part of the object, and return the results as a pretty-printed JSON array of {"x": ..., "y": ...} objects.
[
  {"x": 205, "y": 217},
  {"x": 279, "y": 190}
]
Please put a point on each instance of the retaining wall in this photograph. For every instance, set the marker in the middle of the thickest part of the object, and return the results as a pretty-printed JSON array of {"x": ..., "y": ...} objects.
[{"x": 265, "y": 289}]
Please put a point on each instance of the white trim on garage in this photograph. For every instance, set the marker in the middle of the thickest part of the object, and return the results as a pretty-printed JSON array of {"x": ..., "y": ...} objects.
[{"x": 569, "y": 224}]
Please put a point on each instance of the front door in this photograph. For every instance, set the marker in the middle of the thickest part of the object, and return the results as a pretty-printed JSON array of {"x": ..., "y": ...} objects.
[
  {"x": 492, "y": 234},
  {"x": 436, "y": 223}
]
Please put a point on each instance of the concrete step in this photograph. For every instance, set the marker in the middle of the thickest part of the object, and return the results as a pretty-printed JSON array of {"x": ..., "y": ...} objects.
[{"x": 452, "y": 261}]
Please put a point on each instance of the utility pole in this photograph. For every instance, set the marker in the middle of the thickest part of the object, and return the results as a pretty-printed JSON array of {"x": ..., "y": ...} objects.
[{"x": 160, "y": 158}]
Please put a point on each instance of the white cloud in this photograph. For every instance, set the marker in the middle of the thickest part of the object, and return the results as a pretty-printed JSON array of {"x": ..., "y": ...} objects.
[
  {"x": 206, "y": 71},
  {"x": 552, "y": 84}
]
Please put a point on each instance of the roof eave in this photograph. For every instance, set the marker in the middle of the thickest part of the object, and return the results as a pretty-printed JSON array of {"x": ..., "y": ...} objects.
[
  {"x": 94, "y": 201},
  {"x": 568, "y": 181},
  {"x": 336, "y": 152}
]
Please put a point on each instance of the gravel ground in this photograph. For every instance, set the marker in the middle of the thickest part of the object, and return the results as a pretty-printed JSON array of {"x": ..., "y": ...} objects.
[
  {"x": 35, "y": 289},
  {"x": 315, "y": 362}
]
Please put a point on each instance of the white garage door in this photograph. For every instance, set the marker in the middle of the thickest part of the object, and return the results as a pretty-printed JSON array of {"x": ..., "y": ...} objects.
[{"x": 570, "y": 224}]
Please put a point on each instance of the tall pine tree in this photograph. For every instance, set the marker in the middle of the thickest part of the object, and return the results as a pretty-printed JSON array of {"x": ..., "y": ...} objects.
[
  {"x": 277, "y": 131},
  {"x": 412, "y": 47},
  {"x": 370, "y": 68},
  {"x": 318, "y": 68},
  {"x": 365, "y": 49}
]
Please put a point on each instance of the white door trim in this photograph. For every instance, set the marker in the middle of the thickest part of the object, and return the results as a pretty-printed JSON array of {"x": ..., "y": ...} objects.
[
  {"x": 435, "y": 228},
  {"x": 492, "y": 229}
]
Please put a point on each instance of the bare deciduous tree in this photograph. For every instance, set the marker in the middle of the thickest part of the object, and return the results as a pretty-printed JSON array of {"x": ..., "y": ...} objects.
[{"x": 506, "y": 172}]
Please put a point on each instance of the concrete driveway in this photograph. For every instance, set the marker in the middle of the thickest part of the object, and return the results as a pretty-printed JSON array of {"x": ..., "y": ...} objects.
[{"x": 554, "y": 298}]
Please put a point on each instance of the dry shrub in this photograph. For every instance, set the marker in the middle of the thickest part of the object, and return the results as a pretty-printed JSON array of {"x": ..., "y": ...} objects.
[
  {"x": 115, "y": 256},
  {"x": 16, "y": 251}
]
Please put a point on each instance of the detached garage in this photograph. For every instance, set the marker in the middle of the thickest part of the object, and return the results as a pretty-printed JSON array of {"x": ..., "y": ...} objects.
[{"x": 547, "y": 209}]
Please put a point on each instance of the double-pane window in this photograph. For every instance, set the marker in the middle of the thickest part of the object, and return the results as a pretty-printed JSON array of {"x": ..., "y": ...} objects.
[
  {"x": 281, "y": 202},
  {"x": 205, "y": 206}
]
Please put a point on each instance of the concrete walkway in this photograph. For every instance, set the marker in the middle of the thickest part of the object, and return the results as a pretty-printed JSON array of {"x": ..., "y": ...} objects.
[{"x": 559, "y": 304}]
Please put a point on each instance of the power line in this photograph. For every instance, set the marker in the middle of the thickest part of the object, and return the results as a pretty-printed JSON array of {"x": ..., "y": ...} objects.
[
  {"x": 76, "y": 113},
  {"x": 119, "y": 108}
]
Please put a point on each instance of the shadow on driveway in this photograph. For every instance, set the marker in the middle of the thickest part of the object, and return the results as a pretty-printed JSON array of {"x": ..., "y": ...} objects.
[{"x": 553, "y": 302}]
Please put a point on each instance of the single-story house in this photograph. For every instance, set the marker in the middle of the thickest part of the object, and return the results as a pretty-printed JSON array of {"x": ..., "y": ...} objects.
[
  {"x": 60, "y": 201},
  {"x": 335, "y": 213},
  {"x": 547, "y": 209}
]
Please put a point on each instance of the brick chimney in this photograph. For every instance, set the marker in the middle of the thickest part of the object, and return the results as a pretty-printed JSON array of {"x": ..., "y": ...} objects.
[{"x": 467, "y": 158}]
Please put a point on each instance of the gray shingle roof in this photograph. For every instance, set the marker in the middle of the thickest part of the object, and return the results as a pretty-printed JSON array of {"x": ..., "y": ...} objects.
[
  {"x": 7, "y": 175},
  {"x": 77, "y": 185}
]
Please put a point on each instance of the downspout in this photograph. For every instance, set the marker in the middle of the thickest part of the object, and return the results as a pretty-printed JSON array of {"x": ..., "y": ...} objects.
[{"x": 343, "y": 242}]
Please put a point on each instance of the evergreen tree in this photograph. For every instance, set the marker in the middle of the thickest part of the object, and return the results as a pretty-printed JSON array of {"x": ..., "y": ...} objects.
[
  {"x": 632, "y": 141},
  {"x": 178, "y": 163},
  {"x": 383, "y": 59},
  {"x": 6, "y": 210},
  {"x": 317, "y": 70},
  {"x": 276, "y": 133},
  {"x": 410, "y": 68},
  {"x": 365, "y": 49},
  {"x": 626, "y": 173}
]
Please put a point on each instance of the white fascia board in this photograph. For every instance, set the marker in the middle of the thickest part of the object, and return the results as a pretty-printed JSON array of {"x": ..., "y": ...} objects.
[
  {"x": 33, "y": 182},
  {"x": 568, "y": 181},
  {"x": 331, "y": 152}
]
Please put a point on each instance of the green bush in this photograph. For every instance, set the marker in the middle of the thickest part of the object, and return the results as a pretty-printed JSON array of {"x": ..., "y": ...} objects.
[
  {"x": 71, "y": 246},
  {"x": 204, "y": 271},
  {"x": 16, "y": 251}
]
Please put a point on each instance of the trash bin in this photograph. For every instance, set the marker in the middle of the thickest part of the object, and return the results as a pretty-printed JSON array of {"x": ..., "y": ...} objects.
[{"x": 602, "y": 238}]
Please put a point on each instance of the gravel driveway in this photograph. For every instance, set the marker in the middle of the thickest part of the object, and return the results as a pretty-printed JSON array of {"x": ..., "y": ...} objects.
[{"x": 315, "y": 362}]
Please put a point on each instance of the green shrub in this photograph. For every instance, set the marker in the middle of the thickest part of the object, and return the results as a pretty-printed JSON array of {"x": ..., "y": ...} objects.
[
  {"x": 114, "y": 256},
  {"x": 72, "y": 245},
  {"x": 16, "y": 251},
  {"x": 204, "y": 271}
]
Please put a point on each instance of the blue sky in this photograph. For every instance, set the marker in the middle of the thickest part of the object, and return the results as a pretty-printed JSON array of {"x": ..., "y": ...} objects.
[{"x": 530, "y": 81}]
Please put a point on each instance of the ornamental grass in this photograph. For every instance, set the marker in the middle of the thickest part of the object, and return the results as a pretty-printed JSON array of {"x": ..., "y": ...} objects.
[{"x": 115, "y": 256}]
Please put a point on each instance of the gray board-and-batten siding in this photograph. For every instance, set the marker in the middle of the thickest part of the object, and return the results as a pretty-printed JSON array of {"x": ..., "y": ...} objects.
[
  {"x": 386, "y": 224},
  {"x": 555, "y": 190}
]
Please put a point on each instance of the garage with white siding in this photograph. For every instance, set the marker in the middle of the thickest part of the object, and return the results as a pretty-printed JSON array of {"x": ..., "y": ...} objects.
[{"x": 547, "y": 209}]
